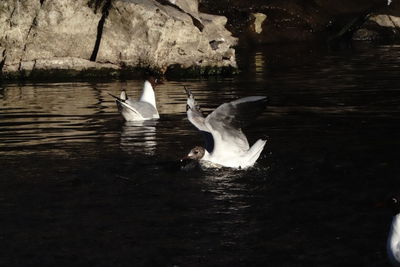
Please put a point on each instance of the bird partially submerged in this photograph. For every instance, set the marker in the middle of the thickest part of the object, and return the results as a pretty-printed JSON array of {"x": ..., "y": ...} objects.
[
  {"x": 144, "y": 108},
  {"x": 225, "y": 143}
]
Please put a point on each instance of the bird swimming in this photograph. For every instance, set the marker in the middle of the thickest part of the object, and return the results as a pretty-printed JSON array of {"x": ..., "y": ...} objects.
[
  {"x": 144, "y": 108},
  {"x": 225, "y": 143}
]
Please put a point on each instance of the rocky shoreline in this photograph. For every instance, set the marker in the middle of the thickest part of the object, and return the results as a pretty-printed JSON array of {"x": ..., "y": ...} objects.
[
  {"x": 41, "y": 39},
  {"x": 81, "y": 37}
]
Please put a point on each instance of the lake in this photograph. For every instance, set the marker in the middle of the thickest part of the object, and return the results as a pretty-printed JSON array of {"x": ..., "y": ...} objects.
[{"x": 81, "y": 187}]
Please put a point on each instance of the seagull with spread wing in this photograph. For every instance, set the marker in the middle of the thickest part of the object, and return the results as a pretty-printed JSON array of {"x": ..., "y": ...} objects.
[{"x": 225, "y": 143}]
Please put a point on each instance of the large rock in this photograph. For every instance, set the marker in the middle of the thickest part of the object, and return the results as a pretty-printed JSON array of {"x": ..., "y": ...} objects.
[
  {"x": 42, "y": 36},
  {"x": 109, "y": 34},
  {"x": 190, "y": 7},
  {"x": 146, "y": 33}
]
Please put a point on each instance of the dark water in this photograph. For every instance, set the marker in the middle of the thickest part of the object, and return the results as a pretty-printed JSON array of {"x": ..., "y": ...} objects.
[{"x": 79, "y": 187}]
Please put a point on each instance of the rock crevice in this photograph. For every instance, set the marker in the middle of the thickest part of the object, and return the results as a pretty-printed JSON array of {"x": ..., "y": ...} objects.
[{"x": 100, "y": 27}]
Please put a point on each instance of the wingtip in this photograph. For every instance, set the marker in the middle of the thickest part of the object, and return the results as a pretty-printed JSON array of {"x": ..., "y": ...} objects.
[
  {"x": 116, "y": 97},
  {"x": 112, "y": 95},
  {"x": 188, "y": 92}
]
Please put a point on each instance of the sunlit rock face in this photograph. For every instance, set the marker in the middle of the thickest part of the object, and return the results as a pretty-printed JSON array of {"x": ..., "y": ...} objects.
[
  {"x": 147, "y": 33},
  {"x": 80, "y": 35},
  {"x": 47, "y": 35}
]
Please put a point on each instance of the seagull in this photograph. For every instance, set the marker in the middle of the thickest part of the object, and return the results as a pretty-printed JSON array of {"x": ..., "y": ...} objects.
[
  {"x": 225, "y": 143},
  {"x": 139, "y": 110},
  {"x": 393, "y": 243}
]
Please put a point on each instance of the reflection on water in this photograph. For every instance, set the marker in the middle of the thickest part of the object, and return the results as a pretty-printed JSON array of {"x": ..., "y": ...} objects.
[
  {"x": 78, "y": 180},
  {"x": 45, "y": 114},
  {"x": 139, "y": 136},
  {"x": 259, "y": 64}
]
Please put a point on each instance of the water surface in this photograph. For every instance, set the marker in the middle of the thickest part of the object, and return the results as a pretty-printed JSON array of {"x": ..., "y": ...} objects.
[{"x": 80, "y": 187}]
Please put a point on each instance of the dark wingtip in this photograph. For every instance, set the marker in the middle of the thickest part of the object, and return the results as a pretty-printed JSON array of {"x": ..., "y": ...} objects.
[
  {"x": 188, "y": 92},
  {"x": 116, "y": 97},
  {"x": 266, "y": 100},
  {"x": 112, "y": 95}
]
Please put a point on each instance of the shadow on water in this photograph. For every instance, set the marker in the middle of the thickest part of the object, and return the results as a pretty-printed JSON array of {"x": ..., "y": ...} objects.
[{"x": 79, "y": 186}]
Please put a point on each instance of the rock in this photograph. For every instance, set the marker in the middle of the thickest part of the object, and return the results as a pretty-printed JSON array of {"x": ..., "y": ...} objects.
[
  {"x": 379, "y": 27},
  {"x": 365, "y": 35},
  {"x": 109, "y": 34},
  {"x": 257, "y": 21},
  {"x": 48, "y": 32},
  {"x": 295, "y": 20},
  {"x": 386, "y": 21},
  {"x": 188, "y": 6},
  {"x": 157, "y": 36}
]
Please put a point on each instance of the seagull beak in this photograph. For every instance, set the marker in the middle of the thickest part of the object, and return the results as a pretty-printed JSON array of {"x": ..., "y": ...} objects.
[{"x": 187, "y": 157}]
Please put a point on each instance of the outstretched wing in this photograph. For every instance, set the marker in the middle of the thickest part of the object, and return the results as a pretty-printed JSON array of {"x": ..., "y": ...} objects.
[
  {"x": 196, "y": 117},
  {"x": 226, "y": 122}
]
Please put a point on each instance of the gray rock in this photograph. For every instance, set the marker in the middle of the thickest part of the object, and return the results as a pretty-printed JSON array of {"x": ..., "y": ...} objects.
[
  {"x": 384, "y": 20},
  {"x": 146, "y": 33},
  {"x": 189, "y": 6},
  {"x": 365, "y": 35},
  {"x": 379, "y": 27},
  {"x": 62, "y": 34},
  {"x": 257, "y": 20}
]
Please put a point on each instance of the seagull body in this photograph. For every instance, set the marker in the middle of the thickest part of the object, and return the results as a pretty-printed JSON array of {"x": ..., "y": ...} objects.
[
  {"x": 393, "y": 242},
  {"x": 225, "y": 143},
  {"x": 138, "y": 110}
]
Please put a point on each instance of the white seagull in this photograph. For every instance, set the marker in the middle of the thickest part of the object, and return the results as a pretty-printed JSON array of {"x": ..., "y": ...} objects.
[
  {"x": 225, "y": 143},
  {"x": 393, "y": 243},
  {"x": 139, "y": 110}
]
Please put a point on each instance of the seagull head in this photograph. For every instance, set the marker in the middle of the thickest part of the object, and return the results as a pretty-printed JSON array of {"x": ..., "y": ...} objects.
[{"x": 196, "y": 153}]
